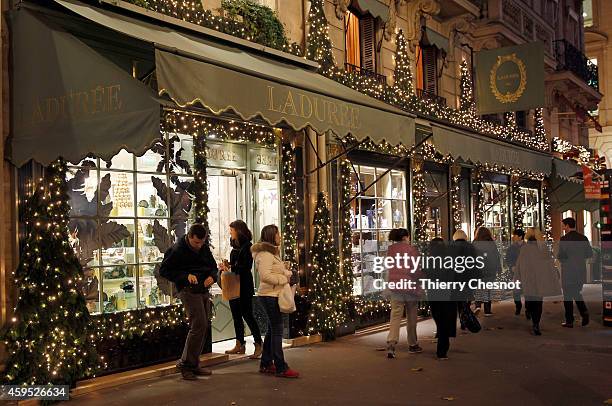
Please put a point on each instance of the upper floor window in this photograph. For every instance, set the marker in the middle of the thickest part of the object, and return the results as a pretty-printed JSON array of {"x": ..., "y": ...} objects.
[
  {"x": 360, "y": 34},
  {"x": 427, "y": 69}
]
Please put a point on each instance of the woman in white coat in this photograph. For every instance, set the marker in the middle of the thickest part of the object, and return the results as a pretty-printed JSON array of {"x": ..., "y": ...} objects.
[{"x": 273, "y": 275}]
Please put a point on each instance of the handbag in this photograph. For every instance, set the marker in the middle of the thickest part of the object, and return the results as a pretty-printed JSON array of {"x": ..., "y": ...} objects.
[
  {"x": 286, "y": 299},
  {"x": 230, "y": 286},
  {"x": 469, "y": 320}
]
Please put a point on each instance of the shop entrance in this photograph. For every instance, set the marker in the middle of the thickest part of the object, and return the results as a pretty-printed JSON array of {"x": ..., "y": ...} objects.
[{"x": 243, "y": 184}]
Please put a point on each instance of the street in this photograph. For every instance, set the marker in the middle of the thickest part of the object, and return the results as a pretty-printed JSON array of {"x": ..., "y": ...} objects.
[{"x": 503, "y": 365}]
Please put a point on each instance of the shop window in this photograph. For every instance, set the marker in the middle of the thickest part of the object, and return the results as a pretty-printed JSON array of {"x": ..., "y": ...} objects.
[
  {"x": 530, "y": 206},
  {"x": 427, "y": 69},
  {"x": 381, "y": 208},
  {"x": 360, "y": 41},
  {"x": 496, "y": 207},
  {"x": 436, "y": 205},
  {"x": 124, "y": 214}
]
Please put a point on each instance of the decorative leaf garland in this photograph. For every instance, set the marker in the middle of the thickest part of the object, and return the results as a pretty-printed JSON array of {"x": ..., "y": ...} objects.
[
  {"x": 479, "y": 197},
  {"x": 547, "y": 211},
  {"x": 402, "y": 76},
  {"x": 47, "y": 341},
  {"x": 455, "y": 196},
  {"x": 418, "y": 191},
  {"x": 346, "y": 233}
]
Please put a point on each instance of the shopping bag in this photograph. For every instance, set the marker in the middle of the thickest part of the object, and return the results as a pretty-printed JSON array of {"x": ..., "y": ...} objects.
[
  {"x": 230, "y": 285},
  {"x": 286, "y": 299},
  {"x": 469, "y": 320}
]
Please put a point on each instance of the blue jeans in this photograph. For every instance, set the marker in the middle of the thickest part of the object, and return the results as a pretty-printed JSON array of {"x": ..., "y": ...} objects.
[{"x": 273, "y": 341}]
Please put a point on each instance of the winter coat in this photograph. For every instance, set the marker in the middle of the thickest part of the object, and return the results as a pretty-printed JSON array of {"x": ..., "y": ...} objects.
[
  {"x": 536, "y": 271},
  {"x": 241, "y": 262},
  {"x": 180, "y": 261},
  {"x": 396, "y": 274},
  {"x": 574, "y": 249},
  {"x": 463, "y": 249},
  {"x": 492, "y": 260},
  {"x": 272, "y": 272}
]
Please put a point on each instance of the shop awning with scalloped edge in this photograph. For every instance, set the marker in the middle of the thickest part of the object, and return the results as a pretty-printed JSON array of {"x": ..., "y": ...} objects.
[{"x": 196, "y": 71}]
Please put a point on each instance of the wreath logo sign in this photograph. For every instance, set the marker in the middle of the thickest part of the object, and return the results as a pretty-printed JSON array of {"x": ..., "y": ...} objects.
[{"x": 513, "y": 69}]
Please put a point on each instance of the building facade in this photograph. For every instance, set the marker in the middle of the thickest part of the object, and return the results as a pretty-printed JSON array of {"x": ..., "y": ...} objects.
[{"x": 381, "y": 119}]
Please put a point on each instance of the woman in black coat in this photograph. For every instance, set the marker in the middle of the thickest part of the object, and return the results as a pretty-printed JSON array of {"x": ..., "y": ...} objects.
[
  {"x": 241, "y": 263},
  {"x": 443, "y": 307}
]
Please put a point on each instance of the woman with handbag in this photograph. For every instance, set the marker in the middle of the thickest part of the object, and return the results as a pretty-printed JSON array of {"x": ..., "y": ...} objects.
[
  {"x": 240, "y": 265},
  {"x": 536, "y": 271},
  {"x": 273, "y": 276}
]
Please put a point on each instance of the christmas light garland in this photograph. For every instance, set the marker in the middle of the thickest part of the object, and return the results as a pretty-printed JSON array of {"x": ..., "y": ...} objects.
[
  {"x": 346, "y": 232},
  {"x": 289, "y": 193},
  {"x": 517, "y": 204},
  {"x": 193, "y": 11},
  {"x": 456, "y": 208},
  {"x": 319, "y": 48},
  {"x": 547, "y": 212},
  {"x": 47, "y": 337},
  {"x": 327, "y": 306},
  {"x": 418, "y": 192}
]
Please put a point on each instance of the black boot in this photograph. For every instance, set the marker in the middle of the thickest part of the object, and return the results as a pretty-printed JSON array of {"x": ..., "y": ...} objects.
[{"x": 536, "y": 330}]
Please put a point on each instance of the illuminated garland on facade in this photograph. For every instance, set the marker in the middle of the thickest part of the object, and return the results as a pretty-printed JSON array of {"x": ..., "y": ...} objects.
[
  {"x": 319, "y": 48},
  {"x": 418, "y": 192},
  {"x": 402, "y": 76},
  {"x": 547, "y": 212},
  {"x": 517, "y": 204},
  {"x": 200, "y": 184},
  {"x": 47, "y": 340},
  {"x": 289, "y": 194},
  {"x": 577, "y": 152},
  {"x": 193, "y": 11},
  {"x": 456, "y": 208},
  {"x": 479, "y": 197},
  {"x": 327, "y": 307},
  {"x": 346, "y": 233}
]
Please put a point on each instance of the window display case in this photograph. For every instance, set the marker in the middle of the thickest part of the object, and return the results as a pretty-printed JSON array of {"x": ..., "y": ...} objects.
[
  {"x": 496, "y": 208},
  {"x": 373, "y": 215},
  {"x": 436, "y": 204},
  {"x": 530, "y": 206}
]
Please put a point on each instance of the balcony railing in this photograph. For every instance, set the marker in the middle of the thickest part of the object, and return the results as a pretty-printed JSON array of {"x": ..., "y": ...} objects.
[
  {"x": 424, "y": 94},
  {"x": 382, "y": 79},
  {"x": 570, "y": 58}
]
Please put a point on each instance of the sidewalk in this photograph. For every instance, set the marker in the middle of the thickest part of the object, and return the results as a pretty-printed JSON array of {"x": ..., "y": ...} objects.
[{"x": 501, "y": 365}]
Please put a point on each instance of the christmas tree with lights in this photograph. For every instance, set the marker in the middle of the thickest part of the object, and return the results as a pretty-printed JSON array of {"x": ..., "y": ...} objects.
[
  {"x": 466, "y": 99},
  {"x": 47, "y": 339},
  {"x": 328, "y": 307},
  {"x": 402, "y": 76},
  {"x": 318, "y": 43}
]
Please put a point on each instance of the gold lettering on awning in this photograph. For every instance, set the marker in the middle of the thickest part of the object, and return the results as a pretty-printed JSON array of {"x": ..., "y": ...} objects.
[{"x": 330, "y": 111}]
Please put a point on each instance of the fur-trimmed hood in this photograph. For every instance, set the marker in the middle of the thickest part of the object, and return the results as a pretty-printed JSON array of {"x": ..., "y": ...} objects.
[{"x": 264, "y": 247}]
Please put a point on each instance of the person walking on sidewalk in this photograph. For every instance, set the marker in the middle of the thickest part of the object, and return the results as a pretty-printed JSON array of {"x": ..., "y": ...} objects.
[
  {"x": 403, "y": 299},
  {"x": 189, "y": 263},
  {"x": 273, "y": 276},
  {"x": 460, "y": 250},
  {"x": 240, "y": 263},
  {"x": 536, "y": 271},
  {"x": 574, "y": 249},
  {"x": 485, "y": 245},
  {"x": 441, "y": 301},
  {"x": 518, "y": 238}
]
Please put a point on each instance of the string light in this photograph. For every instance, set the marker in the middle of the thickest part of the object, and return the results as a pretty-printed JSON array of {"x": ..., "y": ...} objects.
[{"x": 290, "y": 212}]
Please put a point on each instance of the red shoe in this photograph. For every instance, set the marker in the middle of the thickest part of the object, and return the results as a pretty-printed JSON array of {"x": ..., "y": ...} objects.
[
  {"x": 268, "y": 370},
  {"x": 289, "y": 373}
]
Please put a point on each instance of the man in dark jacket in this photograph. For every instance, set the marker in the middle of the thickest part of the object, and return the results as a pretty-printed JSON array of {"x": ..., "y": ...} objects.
[
  {"x": 189, "y": 263},
  {"x": 574, "y": 249}
]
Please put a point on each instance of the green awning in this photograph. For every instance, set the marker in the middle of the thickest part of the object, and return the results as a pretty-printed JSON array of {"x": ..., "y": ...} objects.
[
  {"x": 567, "y": 169},
  {"x": 567, "y": 195},
  {"x": 374, "y": 7},
  {"x": 431, "y": 37},
  {"x": 198, "y": 71},
  {"x": 69, "y": 101},
  {"x": 482, "y": 149}
]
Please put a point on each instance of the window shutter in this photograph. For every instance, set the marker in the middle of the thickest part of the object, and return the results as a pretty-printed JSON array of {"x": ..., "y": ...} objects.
[
  {"x": 430, "y": 70},
  {"x": 368, "y": 42}
]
